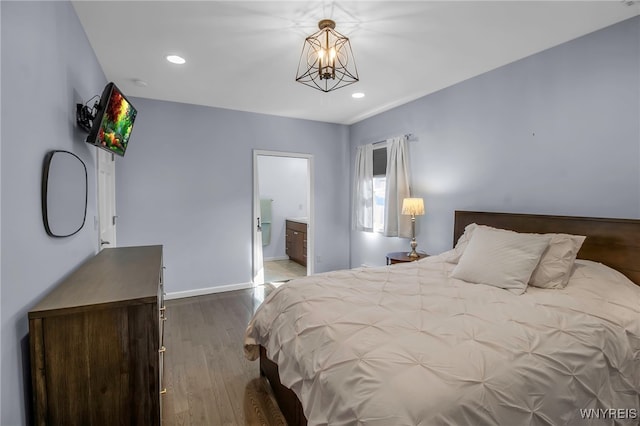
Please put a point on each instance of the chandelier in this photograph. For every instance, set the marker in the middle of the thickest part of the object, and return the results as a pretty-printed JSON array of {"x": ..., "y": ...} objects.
[{"x": 326, "y": 62}]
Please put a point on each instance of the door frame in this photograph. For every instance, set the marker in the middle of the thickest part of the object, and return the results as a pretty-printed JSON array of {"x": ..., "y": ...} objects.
[
  {"x": 103, "y": 156},
  {"x": 256, "y": 238}
]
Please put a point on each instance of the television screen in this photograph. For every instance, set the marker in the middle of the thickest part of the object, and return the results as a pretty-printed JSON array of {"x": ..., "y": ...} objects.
[{"x": 113, "y": 122}]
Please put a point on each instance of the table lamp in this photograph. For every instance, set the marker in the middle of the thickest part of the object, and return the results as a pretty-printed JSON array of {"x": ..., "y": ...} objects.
[{"x": 413, "y": 206}]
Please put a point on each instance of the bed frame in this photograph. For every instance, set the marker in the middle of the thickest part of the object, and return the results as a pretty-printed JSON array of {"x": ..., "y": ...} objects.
[{"x": 613, "y": 242}]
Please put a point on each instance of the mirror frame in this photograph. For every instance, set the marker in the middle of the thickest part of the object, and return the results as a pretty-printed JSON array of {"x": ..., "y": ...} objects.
[{"x": 45, "y": 186}]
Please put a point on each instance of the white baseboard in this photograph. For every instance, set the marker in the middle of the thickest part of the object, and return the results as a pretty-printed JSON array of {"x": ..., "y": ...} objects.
[
  {"x": 271, "y": 259},
  {"x": 209, "y": 290}
]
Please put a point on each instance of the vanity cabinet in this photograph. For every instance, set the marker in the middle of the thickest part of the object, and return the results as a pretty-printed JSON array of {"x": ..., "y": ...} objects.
[
  {"x": 97, "y": 342},
  {"x": 296, "y": 241}
]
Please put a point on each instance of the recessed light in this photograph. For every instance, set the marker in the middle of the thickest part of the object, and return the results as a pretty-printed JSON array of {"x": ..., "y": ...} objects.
[
  {"x": 175, "y": 59},
  {"x": 357, "y": 95}
]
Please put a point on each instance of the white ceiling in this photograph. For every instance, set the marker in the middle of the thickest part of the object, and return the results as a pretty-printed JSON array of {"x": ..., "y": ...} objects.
[{"x": 244, "y": 55}]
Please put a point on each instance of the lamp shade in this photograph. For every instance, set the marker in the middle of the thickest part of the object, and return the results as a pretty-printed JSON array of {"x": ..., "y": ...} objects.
[{"x": 414, "y": 206}]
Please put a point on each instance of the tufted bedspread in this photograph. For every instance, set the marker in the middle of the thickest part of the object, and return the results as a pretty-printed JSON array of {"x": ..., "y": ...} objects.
[{"x": 407, "y": 345}]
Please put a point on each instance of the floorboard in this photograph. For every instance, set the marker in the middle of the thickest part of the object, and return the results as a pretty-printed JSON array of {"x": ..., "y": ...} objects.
[{"x": 208, "y": 379}]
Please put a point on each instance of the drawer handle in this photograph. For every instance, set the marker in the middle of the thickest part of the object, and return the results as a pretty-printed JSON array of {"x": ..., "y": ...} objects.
[
  {"x": 295, "y": 233},
  {"x": 163, "y": 391},
  {"x": 162, "y": 349}
]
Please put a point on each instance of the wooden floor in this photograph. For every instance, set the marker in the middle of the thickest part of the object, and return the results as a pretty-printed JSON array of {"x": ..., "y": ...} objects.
[{"x": 206, "y": 374}]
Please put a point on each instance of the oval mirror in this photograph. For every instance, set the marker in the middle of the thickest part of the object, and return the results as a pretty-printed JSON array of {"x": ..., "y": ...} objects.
[{"x": 64, "y": 193}]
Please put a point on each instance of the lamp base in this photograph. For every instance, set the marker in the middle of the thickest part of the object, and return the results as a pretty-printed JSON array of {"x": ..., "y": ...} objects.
[{"x": 413, "y": 253}]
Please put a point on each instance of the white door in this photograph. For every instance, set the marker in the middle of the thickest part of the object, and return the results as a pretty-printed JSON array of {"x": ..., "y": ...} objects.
[
  {"x": 106, "y": 199},
  {"x": 258, "y": 265}
]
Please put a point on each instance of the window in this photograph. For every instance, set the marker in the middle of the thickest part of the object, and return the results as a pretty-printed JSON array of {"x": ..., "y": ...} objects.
[
  {"x": 381, "y": 182},
  {"x": 379, "y": 187}
]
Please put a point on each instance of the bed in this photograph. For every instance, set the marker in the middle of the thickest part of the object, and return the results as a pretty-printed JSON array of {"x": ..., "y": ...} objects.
[{"x": 408, "y": 344}]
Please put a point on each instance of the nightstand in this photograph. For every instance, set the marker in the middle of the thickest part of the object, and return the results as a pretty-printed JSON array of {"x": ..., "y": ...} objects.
[{"x": 402, "y": 257}]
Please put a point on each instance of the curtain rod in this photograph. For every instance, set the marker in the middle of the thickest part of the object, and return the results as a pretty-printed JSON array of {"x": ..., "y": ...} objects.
[{"x": 408, "y": 136}]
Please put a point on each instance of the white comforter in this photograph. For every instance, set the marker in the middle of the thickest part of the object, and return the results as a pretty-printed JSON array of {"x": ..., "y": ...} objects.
[{"x": 407, "y": 345}]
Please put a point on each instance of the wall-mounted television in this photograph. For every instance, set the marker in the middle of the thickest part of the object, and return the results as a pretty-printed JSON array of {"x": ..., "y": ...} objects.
[{"x": 113, "y": 122}]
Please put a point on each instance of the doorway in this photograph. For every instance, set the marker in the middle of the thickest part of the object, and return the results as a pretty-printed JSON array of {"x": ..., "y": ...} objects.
[{"x": 283, "y": 231}]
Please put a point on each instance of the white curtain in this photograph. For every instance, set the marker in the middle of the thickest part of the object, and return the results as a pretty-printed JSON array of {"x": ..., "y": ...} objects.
[
  {"x": 397, "y": 189},
  {"x": 362, "y": 209}
]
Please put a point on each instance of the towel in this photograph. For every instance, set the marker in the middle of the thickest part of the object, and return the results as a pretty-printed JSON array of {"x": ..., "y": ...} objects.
[
  {"x": 265, "y": 210},
  {"x": 265, "y": 215},
  {"x": 266, "y": 234}
]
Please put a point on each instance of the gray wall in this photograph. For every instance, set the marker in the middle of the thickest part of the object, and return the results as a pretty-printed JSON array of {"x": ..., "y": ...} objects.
[
  {"x": 283, "y": 180},
  {"x": 555, "y": 133},
  {"x": 47, "y": 67},
  {"x": 186, "y": 182}
]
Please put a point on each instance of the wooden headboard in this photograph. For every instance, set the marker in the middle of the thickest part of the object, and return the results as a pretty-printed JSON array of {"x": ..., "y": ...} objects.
[{"x": 613, "y": 242}]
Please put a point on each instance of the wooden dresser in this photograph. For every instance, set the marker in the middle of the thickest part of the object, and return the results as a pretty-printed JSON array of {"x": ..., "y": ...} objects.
[
  {"x": 296, "y": 241},
  {"x": 97, "y": 342}
]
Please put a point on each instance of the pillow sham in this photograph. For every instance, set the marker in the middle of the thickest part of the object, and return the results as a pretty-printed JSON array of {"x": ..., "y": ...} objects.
[
  {"x": 462, "y": 242},
  {"x": 556, "y": 262},
  {"x": 501, "y": 258}
]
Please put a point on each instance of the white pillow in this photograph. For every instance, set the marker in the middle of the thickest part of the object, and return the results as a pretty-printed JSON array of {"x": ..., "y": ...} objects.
[
  {"x": 462, "y": 242},
  {"x": 556, "y": 262},
  {"x": 501, "y": 258}
]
